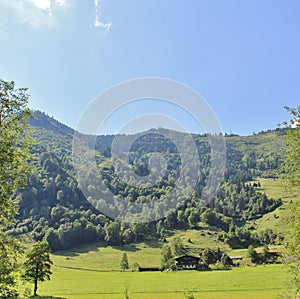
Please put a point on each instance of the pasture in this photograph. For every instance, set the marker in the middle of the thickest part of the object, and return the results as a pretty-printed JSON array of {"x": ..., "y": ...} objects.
[{"x": 246, "y": 282}]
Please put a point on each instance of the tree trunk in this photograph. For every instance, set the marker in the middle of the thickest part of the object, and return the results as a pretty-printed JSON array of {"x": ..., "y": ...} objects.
[{"x": 35, "y": 287}]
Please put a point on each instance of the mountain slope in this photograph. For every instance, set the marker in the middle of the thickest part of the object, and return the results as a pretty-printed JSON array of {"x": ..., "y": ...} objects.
[{"x": 53, "y": 207}]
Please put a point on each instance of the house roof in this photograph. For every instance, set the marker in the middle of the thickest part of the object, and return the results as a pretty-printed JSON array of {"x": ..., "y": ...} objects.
[{"x": 184, "y": 258}]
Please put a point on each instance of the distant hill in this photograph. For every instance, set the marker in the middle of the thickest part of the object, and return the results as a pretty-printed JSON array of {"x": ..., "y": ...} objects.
[
  {"x": 52, "y": 207},
  {"x": 43, "y": 121}
]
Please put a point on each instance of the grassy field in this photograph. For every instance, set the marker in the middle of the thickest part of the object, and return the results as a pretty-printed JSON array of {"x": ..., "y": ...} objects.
[
  {"x": 247, "y": 282},
  {"x": 274, "y": 189},
  {"x": 99, "y": 256}
]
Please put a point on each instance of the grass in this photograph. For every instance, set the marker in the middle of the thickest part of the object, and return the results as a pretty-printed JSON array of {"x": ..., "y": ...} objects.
[
  {"x": 195, "y": 239},
  {"x": 100, "y": 257},
  {"x": 274, "y": 189},
  {"x": 247, "y": 282}
]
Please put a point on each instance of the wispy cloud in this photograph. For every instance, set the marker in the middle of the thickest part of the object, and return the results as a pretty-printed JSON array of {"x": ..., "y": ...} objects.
[
  {"x": 61, "y": 3},
  {"x": 98, "y": 23},
  {"x": 37, "y": 13},
  {"x": 43, "y": 12}
]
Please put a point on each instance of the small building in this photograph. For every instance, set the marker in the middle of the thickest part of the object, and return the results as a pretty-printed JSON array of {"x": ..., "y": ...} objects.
[
  {"x": 187, "y": 262},
  {"x": 147, "y": 269},
  {"x": 236, "y": 258}
]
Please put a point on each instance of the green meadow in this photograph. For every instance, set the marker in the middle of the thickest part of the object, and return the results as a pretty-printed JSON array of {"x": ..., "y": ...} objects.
[
  {"x": 245, "y": 282},
  {"x": 273, "y": 220}
]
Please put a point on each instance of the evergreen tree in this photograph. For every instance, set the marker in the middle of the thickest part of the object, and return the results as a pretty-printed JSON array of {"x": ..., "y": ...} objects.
[
  {"x": 177, "y": 247},
  {"x": 124, "y": 262},
  {"x": 167, "y": 261}
]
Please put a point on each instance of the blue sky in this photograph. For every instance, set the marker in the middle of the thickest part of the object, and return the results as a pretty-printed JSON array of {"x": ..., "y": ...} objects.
[{"x": 242, "y": 56}]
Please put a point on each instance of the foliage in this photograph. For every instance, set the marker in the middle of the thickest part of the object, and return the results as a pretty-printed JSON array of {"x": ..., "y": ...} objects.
[
  {"x": 10, "y": 250},
  {"x": 177, "y": 247},
  {"x": 291, "y": 165},
  {"x": 210, "y": 256},
  {"x": 15, "y": 152},
  {"x": 291, "y": 170},
  {"x": 124, "y": 262},
  {"x": 226, "y": 260},
  {"x": 292, "y": 246},
  {"x": 167, "y": 261},
  {"x": 37, "y": 266},
  {"x": 252, "y": 254},
  {"x": 15, "y": 147}
]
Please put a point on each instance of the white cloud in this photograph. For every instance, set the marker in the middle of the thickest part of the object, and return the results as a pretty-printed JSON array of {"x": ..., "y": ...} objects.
[
  {"x": 98, "y": 23},
  {"x": 36, "y": 13},
  {"x": 40, "y": 13},
  {"x": 105, "y": 26},
  {"x": 47, "y": 5},
  {"x": 42, "y": 4}
]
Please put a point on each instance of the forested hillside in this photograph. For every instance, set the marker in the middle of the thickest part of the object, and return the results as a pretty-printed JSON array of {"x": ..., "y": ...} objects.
[{"x": 52, "y": 207}]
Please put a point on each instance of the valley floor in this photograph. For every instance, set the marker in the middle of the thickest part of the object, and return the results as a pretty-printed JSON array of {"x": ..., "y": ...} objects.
[{"x": 245, "y": 282}]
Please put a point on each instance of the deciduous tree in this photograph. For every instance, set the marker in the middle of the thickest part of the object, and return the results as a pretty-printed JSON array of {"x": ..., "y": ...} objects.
[
  {"x": 291, "y": 170},
  {"x": 15, "y": 144},
  {"x": 37, "y": 266}
]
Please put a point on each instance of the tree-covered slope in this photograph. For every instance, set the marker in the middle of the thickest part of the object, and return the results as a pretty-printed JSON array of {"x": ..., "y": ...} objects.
[{"x": 52, "y": 206}]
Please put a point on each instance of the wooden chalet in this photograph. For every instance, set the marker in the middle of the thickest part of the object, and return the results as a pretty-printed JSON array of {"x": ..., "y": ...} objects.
[{"x": 187, "y": 262}]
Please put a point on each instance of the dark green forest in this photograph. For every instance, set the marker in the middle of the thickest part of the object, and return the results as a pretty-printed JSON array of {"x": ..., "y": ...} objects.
[{"x": 53, "y": 208}]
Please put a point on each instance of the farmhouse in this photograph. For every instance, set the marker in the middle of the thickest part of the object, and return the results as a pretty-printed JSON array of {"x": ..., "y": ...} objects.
[{"x": 187, "y": 262}]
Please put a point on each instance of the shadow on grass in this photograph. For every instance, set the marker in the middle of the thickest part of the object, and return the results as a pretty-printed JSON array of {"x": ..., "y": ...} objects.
[
  {"x": 129, "y": 247},
  {"x": 45, "y": 297},
  {"x": 83, "y": 248},
  {"x": 90, "y": 247},
  {"x": 155, "y": 244}
]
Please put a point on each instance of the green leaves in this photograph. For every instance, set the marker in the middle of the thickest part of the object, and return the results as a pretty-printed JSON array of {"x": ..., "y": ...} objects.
[
  {"x": 15, "y": 145},
  {"x": 10, "y": 249},
  {"x": 124, "y": 262},
  {"x": 37, "y": 265},
  {"x": 291, "y": 179}
]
